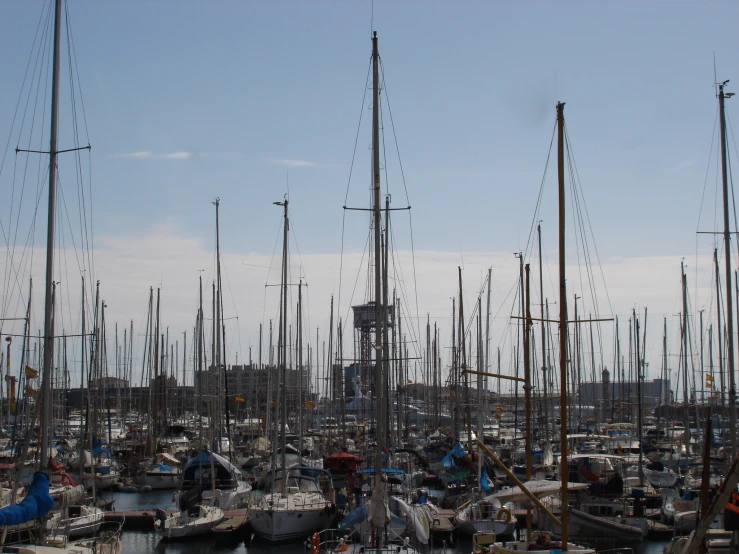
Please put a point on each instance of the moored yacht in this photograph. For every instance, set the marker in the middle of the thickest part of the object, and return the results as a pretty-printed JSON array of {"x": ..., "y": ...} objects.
[
  {"x": 224, "y": 487},
  {"x": 293, "y": 509}
]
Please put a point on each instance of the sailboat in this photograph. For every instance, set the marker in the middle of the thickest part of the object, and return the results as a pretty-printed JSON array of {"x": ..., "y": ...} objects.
[
  {"x": 542, "y": 540},
  {"x": 38, "y": 502},
  {"x": 294, "y": 506},
  {"x": 377, "y": 512},
  {"x": 223, "y": 486}
]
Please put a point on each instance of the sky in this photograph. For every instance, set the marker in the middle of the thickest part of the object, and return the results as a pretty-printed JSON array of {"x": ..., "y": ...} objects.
[{"x": 249, "y": 101}]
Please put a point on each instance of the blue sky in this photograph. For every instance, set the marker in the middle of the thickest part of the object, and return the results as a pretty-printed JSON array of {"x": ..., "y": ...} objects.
[
  {"x": 472, "y": 86},
  {"x": 186, "y": 101}
]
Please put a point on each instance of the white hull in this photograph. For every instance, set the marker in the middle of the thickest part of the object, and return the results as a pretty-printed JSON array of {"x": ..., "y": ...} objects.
[
  {"x": 80, "y": 526},
  {"x": 285, "y": 525},
  {"x": 180, "y": 525},
  {"x": 228, "y": 499},
  {"x": 586, "y": 526}
]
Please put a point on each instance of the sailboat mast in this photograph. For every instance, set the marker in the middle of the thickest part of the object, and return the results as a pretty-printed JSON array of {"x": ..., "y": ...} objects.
[
  {"x": 543, "y": 340},
  {"x": 379, "y": 315},
  {"x": 686, "y": 417},
  {"x": 200, "y": 364},
  {"x": 727, "y": 269},
  {"x": 527, "y": 389},
  {"x": 563, "y": 467},
  {"x": 299, "y": 371},
  {"x": 46, "y": 406}
]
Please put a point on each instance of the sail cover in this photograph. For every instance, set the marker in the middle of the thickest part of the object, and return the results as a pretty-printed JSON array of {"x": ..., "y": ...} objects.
[
  {"x": 37, "y": 503},
  {"x": 379, "y": 511}
]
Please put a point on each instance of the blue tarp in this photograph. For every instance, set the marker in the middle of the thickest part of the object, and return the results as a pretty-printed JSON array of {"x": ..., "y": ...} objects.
[
  {"x": 448, "y": 461},
  {"x": 484, "y": 482},
  {"x": 391, "y": 470},
  {"x": 164, "y": 467},
  {"x": 458, "y": 451},
  {"x": 37, "y": 503}
]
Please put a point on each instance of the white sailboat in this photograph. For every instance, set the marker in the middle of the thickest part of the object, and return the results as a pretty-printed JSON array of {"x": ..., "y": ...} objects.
[
  {"x": 486, "y": 515},
  {"x": 542, "y": 540},
  {"x": 194, "y": 521},
  {"x": 295, "y": 507},
  {"x": 38, "y": 501},
  {"x": 223, "y": 486},
  {"x": 294, "y": 514},
  {"x": 163, "y": 473}
]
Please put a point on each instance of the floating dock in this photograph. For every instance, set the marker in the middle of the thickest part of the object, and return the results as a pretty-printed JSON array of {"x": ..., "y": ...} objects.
[{"x": 235, "y": 521}]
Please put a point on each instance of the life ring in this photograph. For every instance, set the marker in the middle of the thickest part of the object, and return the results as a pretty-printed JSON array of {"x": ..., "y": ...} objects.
[
  {"x": 315, "y": 544},
  {"x": 506, "y": 513}
]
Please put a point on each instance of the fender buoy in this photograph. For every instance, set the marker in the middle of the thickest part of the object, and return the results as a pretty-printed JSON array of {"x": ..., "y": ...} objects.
[
  {"x": 315, "y": 544},
  {"x": 506, "y": 513}
]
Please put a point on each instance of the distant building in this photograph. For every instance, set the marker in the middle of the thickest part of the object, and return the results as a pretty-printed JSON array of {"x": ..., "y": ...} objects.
[
  {"x": 252, "y": 384},
  {"x": 609, "y": 397},
  {"x": 107, "y": 383}
]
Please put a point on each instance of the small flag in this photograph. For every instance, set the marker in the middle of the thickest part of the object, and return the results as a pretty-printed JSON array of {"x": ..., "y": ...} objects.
[
  {"x": 386, "y": 452},
  {"x": 31, "y": 392},
  {"x": 240, "y": 399},
  {"x": 309, "y": 403},
  {"x": 31, "y": 373},
  {"x": 709, "y": 381}
]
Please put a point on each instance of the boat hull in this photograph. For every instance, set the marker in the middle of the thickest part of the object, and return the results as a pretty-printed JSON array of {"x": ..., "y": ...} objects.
[
  {"x": 287, "y": 525},
  {"x": 159, "y": 480}
]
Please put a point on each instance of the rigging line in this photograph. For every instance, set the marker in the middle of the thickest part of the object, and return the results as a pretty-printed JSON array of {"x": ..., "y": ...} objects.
[
  {"x": 23, "y": 87},
  {"x": 266, "y": 284},
  {"x": 38, "y": 66},
  {"x": 356, "y": 139},
  {"x": 397, "y": 267},
  {"x": 705, "y": 180},
  {"x": 541, "y": 192},
  {"x": 405, "y": 187},
  {"x": 577, "y": 208},
  {"x": 395, "y": 137},
  {"x": 348, "y": 183},
  {"x": 71, "y": 56},
  {"x": 595, "y": 247},
  {"x": 26, "y": 256},
  {"x": 731, "y": 177},
  {"x": 407, "y": 198},
  {"x": 356, "y": 280}
]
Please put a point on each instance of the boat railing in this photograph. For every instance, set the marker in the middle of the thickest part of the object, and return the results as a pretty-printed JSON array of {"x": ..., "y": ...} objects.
[{"x": 622, "y": 550}]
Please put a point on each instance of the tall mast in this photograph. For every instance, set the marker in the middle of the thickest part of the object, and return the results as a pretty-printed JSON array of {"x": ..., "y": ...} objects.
[
  {"x": 719, "y": 333},
  {"x": 46, "y": 406},
  {"x": 200, "y": 364},
  {"x": 543, "y": 340},
  {"x": 527, "y": 389},
  {"x": 282, "y": 393},
  {"x": 463, "y": 365},
  {"x": 299, "y": 371},
  {"x": 563, "y": 467},
  {"x": 727, "y": 269},
  {"x": 487, "y": 330},
  {"x": 685, "y": 360},
  {"x": 379, "y": 314}
]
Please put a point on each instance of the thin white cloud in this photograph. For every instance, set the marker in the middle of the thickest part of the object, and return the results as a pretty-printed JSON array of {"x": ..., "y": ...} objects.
[
  {"x": 295, "y": 163},
  {"x": 149, "y": 155},
  {"x": 177, "y": 156}
]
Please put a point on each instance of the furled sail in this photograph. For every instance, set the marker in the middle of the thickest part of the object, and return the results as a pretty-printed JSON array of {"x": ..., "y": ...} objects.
[{"x": 37, "y": 503}]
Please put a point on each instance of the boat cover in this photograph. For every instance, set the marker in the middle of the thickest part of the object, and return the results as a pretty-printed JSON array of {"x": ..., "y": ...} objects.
[{"x": 37, "y": 503}]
